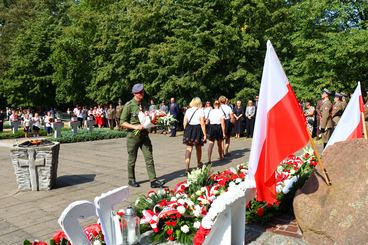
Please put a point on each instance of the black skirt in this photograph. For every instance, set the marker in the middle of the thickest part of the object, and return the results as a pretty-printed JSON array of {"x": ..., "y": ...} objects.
[
  {"x": 214, "y": 132},
  {"x": 193, "y": 135}
]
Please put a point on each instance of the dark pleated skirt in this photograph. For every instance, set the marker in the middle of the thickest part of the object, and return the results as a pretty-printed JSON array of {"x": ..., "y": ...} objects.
[
  {"x": 214, "y": 132},
  {"x": 193, "y": 135}
]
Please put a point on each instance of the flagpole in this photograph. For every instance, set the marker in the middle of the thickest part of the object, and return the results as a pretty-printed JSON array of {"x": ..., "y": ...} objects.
[
  {"x": 327, "y": 179},
  {"x": 364, "y": 126}
]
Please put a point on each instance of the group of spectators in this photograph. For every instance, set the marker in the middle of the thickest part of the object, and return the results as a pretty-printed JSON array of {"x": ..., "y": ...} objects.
[{"x": 29, "y": 120}]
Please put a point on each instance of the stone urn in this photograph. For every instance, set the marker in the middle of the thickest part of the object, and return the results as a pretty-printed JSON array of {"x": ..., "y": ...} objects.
[{"x": 35, "y": 164}]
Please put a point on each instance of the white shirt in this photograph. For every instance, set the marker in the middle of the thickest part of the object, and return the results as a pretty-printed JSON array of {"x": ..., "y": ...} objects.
[
  {"x": 206, "y": 110},
  {"x": 226, "y": 111},
  {"x": 196, "y": 119},
  {"x": 215, "y": 116}
]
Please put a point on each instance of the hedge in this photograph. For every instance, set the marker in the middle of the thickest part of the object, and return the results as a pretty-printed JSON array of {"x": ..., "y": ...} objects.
[{"x": 85, "y": 135}]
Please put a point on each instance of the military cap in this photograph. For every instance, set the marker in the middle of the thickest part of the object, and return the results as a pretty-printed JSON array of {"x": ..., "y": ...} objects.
[
  {"x": 325, "y": 90},
  {"x": 138, "y": 87},
  {"x": 338, "y": 95}
]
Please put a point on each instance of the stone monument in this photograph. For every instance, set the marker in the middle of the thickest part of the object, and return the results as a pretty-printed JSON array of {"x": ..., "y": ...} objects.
[
  {"x": 57, "y": 126},
  {"x": 74, "y": 124},
  {"x": 35, "y": 164},
  {"x": 15, "y": 126},
  {"x": 90, "y": 123},
  {"x": 336, "y": 214}
]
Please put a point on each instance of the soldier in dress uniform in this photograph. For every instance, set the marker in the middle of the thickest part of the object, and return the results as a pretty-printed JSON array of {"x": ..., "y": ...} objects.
[
  {"x": 337, "y": 109},
  {"x": 138, "y": 139},
  {"x": 326, "y": 120},
  {"x": 118, "y": 111},
  {"x": 344, "y": 102}
]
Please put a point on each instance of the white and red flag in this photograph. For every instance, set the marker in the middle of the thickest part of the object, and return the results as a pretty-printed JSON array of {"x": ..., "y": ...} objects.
[
  {"x": 350, "y": 125},
  {"x": 280, "y": 127}
]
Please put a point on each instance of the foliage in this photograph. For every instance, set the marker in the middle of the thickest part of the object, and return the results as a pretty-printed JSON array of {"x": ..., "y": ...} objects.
[
  {"x": 85, "y": 135},
  {"x": 92, "y": 51},
  {"x": 19, "y": 134}
]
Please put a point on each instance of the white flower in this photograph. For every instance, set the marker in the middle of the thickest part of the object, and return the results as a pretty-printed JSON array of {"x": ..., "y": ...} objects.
[
  {"x": 97, "y": 242},
  {"x": 184, "y": 229},
  {"x": 197, "y": 224},
  {"x": 216, "y": 192},
  {"x": 279, "y": 168},
  {"x": 161, "y": 192},
  {"x": 190, "y": 202},
  {"x": 197, "y": 211},
  {"x": 203, "y": 189},
  {"x": 173, "y": 199},
  {"x": 181, "y": 209},
  {"x": 231, "y": 184},
  {"x": 181, "y": 201},
  {"x": 292, "y": 171},
  {"x": 137, "y": 201},
  {"x": 198, "y": 193},
  {"x": 238, "y": 180}
]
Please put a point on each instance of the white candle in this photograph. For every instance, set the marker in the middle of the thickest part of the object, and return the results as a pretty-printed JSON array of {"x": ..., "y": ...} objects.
[{"x": 131, "y": 235}]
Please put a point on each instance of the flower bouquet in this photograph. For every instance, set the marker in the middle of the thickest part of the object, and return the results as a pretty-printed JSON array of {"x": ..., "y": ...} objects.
[{"x": 154, "y": 119}]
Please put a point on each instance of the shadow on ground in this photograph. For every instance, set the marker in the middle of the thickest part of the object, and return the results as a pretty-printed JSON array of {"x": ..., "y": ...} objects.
[
  {"x": 236, "y": 154},
  {"x": 70, "y": 180}
]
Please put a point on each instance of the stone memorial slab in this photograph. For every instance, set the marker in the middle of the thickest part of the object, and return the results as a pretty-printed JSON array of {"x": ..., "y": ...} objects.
[
  {"x": 35, "y": 164},
  {"x": 57, "y": 126}
]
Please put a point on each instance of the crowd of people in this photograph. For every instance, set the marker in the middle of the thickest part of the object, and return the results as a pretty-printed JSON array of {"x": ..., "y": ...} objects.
[{"x": 323, "y": 118}]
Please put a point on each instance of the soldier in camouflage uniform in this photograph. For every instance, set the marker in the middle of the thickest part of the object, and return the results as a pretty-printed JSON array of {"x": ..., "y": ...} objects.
[
  {"x": 337, "y": 109},
  {"x": 130, "y": 121},
  {"x": 326, "y": 120}
]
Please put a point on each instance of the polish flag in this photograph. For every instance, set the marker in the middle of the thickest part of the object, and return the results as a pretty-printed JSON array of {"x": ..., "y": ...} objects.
[
  {"x": 350, "y": 125},
  {"x": 280, "y": 127}
]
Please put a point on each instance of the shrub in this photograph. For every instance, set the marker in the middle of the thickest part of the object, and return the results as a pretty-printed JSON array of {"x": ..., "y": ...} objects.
[{"x": 84, "y": 135}]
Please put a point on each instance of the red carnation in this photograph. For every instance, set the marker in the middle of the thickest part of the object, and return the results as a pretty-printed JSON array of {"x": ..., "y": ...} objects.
[
  {"x": 171, "y": 238},
  {"x": 168, "y": 223},
  {"x": 260, "y": 211},
  {"x": 58, "y": 236},
  {"x": 93, "y": 230},
  {"x": 169, "y": 232},
  {"x": 155, "y": 230},
  {"x": 178, "y": 216},
  {"x": 39, "y": 243},
  {"x": 306, "y": 155},
  {"x": 173, "y": 223}
]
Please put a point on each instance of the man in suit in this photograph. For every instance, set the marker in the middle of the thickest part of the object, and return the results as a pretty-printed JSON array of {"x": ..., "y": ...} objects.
[
  {"x": 326, "y": 120},
  {"x": 174, "y": 111}
]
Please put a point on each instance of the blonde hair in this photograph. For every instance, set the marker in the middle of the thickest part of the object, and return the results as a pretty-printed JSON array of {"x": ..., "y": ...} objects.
[
  {"x": 222, "y": 99},
  {"x": 196, "y": 102},
  {"x": 216, "y": 104}
]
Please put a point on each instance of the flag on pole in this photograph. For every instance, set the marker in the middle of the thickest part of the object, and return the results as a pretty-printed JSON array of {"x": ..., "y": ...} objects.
[
  {"x": 350, "y": 125},
  {"x": 280, "y": 127}
]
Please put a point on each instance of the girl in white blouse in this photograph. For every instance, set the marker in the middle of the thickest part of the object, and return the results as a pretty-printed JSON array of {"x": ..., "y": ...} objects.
[
  {"x": 229, "y": 120},
  {"x": 195, "y": 132},
  {"x": 216, "y": 130}
]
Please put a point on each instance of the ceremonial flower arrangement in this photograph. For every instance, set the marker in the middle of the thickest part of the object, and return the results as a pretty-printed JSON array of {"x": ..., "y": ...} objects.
[
  {"x": 150, "y": 119},
  {"x": 290, "y": 175},
  {"x": 187, "y": 213}
]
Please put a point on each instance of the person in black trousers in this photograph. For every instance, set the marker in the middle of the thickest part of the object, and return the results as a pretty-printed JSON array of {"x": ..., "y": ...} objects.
[
  {"x": 250, "y": 113},
  {"x": 174, "y": 111}
]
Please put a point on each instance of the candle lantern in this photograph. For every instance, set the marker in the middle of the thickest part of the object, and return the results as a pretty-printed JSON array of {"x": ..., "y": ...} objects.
[{"x": 131, "y": 231}]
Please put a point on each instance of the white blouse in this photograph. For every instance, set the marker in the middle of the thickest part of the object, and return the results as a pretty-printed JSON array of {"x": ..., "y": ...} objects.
[
  {"x": 226, "y": 111},
  {"x": 197, "y": 114},
  {"x": 215, "y": 116}
]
